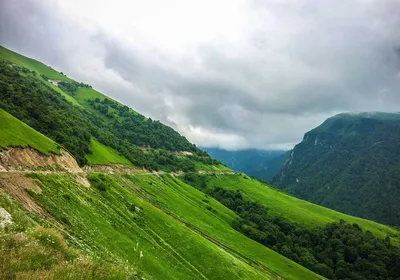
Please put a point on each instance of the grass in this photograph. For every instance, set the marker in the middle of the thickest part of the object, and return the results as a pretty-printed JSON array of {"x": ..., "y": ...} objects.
[
  {"x": 205, "y": 167},
  {"x": 31, "y": 64},
  {"x": 104, "y": 155},
  {"x": 84, "y": 94},
  {"x": 165, "y": 219},
  {"x": 213, "y": 219},
  {"x": 15, "y": 133},
  {"x": 294, "y": 209},
  {"x": 31, "y": 251},
  {"x": 68, "y": 97}
]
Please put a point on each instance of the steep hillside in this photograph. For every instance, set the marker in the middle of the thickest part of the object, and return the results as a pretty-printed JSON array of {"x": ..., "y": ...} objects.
[
  {"x": 257, "y": 163},
  {"x": 56, "y": 223},
  {"x": 72, "y": 114},
  {"x": 350, "y": 163},
  {"x": 332, "y": 244},
  {"x": 103, "y": 155},
  {"x": 15, "y": 133}
]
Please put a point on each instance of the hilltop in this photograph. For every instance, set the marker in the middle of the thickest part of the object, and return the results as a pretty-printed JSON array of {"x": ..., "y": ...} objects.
[{"x": 349, "y": 163}]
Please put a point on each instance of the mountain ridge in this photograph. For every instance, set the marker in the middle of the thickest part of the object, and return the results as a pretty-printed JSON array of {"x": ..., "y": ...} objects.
[{"x": 339, "y": 163}]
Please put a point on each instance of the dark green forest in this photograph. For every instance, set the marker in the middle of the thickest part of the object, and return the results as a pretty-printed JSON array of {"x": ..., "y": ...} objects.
[
  {"x": 24, "y": 95},
  {"x": 336, "y": 251},
  {"x": 351, "y": 164}
]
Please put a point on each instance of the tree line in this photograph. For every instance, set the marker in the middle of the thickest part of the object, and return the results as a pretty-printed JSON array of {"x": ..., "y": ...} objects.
[{"x": 336, "y": 251}]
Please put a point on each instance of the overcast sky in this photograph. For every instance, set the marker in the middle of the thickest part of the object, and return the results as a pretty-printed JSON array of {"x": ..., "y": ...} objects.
[{"x": 229, "y": 73}]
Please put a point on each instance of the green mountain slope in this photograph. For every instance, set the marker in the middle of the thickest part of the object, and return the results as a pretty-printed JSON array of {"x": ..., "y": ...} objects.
[
  {"x": 14, "y": 133},
  {"x": 165, "y": 219},
  {"x": 332, "y": 244},
  {"x": 27, "y": 94},
  {"x": 349, "y": 163},
  {"x": 294, "y": 209},
  {"x": 101, "y": 154},
  {"x": 31, "y": 64},
  {"x": 149, "y": 226}
]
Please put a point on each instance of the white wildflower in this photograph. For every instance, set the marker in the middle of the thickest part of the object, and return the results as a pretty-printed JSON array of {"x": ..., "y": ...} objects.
[{"x": 141, "y": 254}]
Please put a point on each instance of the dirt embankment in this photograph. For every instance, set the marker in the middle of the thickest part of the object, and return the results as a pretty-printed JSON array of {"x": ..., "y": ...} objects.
[
  {"x": 18, "y": 186},
  {"x": 28, "y": 159}
]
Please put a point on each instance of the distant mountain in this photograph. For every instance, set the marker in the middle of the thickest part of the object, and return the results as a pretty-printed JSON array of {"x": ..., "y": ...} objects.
[
  {"x": 350, "y": 163},
  {"x": 262, "y": 164},
  {"x": 270, "y": 167}
]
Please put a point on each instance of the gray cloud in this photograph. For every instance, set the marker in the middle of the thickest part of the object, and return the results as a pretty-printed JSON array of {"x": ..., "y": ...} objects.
[{"x": 294, "y": 64}]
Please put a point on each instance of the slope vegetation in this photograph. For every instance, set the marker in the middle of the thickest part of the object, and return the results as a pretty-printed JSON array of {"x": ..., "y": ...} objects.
[
  {"x": 158, "y": 218},
  {"x": 27, "y": 94},
  {"x": 146, "y": 226},
  {"x": 31, "y": 64},
  {"x": 292, "y": 208},
  {"x": 15, "y": 133},
  {"x": 349, "y": 163},
  {"x": 101, "y": 154},
  {"x": 154, "y": 227},
  {"x": 336, "y": 246}
]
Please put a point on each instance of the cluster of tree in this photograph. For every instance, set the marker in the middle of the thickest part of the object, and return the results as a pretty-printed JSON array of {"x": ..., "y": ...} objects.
[
  {"x": 30, "y": 100},
  {"x": 140, "y": 130},
  {"x": 68, "y": 87},
  {"x": 337, "y": 251},
  {"x": 351, "y": 164}
]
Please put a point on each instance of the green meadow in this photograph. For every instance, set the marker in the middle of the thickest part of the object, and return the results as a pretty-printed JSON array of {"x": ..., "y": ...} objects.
[
  {"x": 15, "y": 133},
  {"x": 31, "y": 64},
  {"x": 104, "y": 155},
  {"x": 115, "y": 220},
  {"x": 294, "y": 209}
]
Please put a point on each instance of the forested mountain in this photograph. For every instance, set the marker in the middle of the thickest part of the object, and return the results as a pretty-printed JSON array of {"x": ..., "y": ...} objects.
[
  {"x": 263, "y": 164},
  {"x": 350, "y": 163},
  {"x": 73, "y": 114}
]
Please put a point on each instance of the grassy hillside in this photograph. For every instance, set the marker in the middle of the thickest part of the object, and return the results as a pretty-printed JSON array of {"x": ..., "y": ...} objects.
[
  {"x": 334, "y": 245},
  {"x": 31, "y": 64},
  {"x": 122, "y": 217},
  {"x": 15, "y": 133},
  {"x": 30, "y": 249},
  {"x": 30, "y": 98},
  {"x": 294, "y": 209},
  {"x": 210, "y": 218},
  {"x": 101, "y": 154}
]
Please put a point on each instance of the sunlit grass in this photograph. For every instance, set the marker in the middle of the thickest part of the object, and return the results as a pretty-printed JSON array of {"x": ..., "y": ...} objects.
[{"x": 15, "y": 133}]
